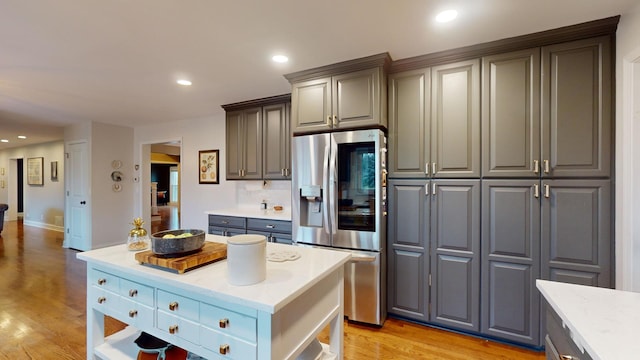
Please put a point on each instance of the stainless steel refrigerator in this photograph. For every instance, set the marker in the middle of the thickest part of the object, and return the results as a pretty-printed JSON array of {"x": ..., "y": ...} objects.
[{"x": 339, "y": 201}]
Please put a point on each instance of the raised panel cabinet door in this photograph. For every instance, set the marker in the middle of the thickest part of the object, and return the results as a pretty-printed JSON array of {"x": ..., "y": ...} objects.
[
  {"x": 576, "y": 231},
  {"x": 455, "y": 254},
  {"x": 276, "y": 142},
  {"x": 455, "y": 120},
  {"x": 408, "y": 239},
  {"x": 511, "y": 260},
  {"x": 356, "y": 99},
  {"x": 252, "y": 160},
  {"x": 576, "y": 109},
  {"x": 511, "y": 114},
  {"x": 409, "y": 113},
  {"x": 235, "y": 143},
  {"x": 311, "y": 106}
]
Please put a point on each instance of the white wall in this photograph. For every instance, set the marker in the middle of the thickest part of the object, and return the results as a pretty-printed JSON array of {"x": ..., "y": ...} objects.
[
  {"x": 43, "y": 205},
  {"x": 627, "y": 194},
  {"x": 207, "y": 133}
]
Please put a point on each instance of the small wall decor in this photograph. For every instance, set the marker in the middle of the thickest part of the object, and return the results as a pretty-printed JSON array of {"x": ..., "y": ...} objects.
[
  {"x": 35, "y": 170},
  {"x": 54, "y": 171},
  {"x": 208, "y": 166}
]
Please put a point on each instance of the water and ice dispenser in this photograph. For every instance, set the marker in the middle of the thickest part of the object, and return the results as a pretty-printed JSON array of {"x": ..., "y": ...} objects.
[{"x": 311, "y": 205}]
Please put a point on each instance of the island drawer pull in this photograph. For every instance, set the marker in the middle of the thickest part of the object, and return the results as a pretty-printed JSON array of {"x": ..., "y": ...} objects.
[
  {"x": 224, "y": 323},
  {"x": 133, "y": 313},
  {"x": 102, "y": 281},
  {"x": 224, "y": 349},
  {"x": 173, "y": 329},
  {"x": 101, "y": 300},
  {"x": 133, "y": 292},
  {"x": 173, "y": 306}
]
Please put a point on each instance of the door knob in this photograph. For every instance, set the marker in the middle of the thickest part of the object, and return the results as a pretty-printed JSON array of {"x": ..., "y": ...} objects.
[{"x": 82, "y": 202}]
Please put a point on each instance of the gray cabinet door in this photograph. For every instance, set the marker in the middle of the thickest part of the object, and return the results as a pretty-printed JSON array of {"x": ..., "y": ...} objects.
[
  {"x": 511, "y": 260},
  {"x": 455, "y": 120},
  {"x": 511, "y": 114},
  {"x": 244, "y": 144},
  {"x": 311, "y": 108},
  {"x": 408, "y": 239},
  {"x": 455, "y": 254},
  {"x": 576, "y": 108},
  {"x": 409, "y": 112},
  {"x": 357, "y": 99},
  {"x": 276, "y": 147},
  {"x": 576, "y": 231}
]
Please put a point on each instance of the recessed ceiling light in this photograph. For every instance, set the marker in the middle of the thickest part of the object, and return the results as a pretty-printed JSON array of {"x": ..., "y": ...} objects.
[
  {"x": 280, "y": 58},
  {"x": 21, "y": 137},
  {"x": 184, "y": 82},
  {"x": 4, "y": 140},
  {"x": 446, "y": 16}
]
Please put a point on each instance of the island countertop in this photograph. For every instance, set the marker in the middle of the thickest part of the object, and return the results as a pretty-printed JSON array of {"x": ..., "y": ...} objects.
[
  {"x": 283, "y": 283},
  {"x": 603, "y": 322},
  {"x": 254, "y": 212}
]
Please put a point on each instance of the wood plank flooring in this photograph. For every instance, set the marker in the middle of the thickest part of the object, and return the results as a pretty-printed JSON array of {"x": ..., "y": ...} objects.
[{"x": 42, "y": 312}]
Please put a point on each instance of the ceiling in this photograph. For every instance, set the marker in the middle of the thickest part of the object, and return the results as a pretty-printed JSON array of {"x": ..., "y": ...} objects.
[{"x": 64, "y": 62}]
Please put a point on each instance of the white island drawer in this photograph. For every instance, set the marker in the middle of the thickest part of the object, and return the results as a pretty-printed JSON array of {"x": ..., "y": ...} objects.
[
  {"x": 228, "y": 347},
  {"x": 175, "y": 326},
  {"x": 228, "y": 322},
  {"x": 178, "y": 305},
  {"x": 104, "y": 280},
  {"x": 136, "y": 292}
]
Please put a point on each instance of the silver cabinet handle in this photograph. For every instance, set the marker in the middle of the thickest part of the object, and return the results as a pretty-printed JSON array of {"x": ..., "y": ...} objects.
[
  {"x": 426, "y": 168},
  {"x": 433, "y": 189},
  {"x": 426, "y": 189},
  {"x": 536, "y": 165},
  {"x": 536, "y": 191},
  {"x": 270, "y": 226},
  {"x": 282, "y": 172},
  {"x": 568, "y": 357},
  {"x": 546, "y": 191},
  {"x": 433, "y": 168},
  {"x": 546, "y": 166},
  {"x": 335, "y": 121},
  {"x": 329, "y": 120}
]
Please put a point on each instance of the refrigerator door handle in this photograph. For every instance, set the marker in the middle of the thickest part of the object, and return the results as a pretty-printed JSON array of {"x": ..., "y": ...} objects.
[
  {"x": 332, "y": 187},
  {"x": 327, "y": 192}
]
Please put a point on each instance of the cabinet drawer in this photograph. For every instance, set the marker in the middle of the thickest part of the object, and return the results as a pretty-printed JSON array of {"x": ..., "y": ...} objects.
[
  {"x": 279, "y": 226},
  {"x": 227, "y": 221},
  {"x": 179, "y": 327},
  {"x": 104, "y": 280},
  {"x": 103, "y": 300},
  {"x": 236, "y": 348},
  {"x": 136, "y": 292},
  {"x": 135, "y": 313},
  {"x": 178, "y": 305},
  {"x": 560, "y": 339},
  {"x": 228, "y": 322}
]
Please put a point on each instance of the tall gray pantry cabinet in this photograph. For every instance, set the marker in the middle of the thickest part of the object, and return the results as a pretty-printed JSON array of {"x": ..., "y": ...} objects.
[{"x": 538, "y": 205}]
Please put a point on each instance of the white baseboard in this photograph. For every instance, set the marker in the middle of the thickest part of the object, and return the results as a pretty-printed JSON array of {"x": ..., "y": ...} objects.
[{"x": 43, "y": 225}]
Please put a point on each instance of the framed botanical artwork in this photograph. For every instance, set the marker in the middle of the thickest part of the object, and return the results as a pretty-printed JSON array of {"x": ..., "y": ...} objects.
[
  {"x": 209, "y": 167},
  {"x": 35, "y": 171}
]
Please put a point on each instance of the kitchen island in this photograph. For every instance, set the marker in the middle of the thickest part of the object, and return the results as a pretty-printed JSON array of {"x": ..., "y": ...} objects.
[
  {"x": 200, "y": 312},
  {"x": 587, "y": 322}
]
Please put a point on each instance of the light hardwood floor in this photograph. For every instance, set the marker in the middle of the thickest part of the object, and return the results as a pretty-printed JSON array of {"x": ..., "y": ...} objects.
[{"x": 42, "y": 312}]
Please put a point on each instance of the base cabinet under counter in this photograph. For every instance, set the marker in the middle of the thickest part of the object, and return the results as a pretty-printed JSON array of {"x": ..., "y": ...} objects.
[{"x": 276, "y": 231}]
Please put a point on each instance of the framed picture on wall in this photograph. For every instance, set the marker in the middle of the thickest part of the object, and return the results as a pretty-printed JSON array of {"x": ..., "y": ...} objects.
[
  {"x": 35, "y": 171},
  {"x": 209, "y": 167}
]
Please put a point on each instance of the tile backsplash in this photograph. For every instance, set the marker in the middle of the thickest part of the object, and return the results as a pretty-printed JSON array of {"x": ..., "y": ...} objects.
[{"x": 252, "y": 193}]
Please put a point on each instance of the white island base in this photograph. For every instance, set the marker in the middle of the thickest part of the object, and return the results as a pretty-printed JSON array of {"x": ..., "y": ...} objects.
[{"x": 201, "y": 313}]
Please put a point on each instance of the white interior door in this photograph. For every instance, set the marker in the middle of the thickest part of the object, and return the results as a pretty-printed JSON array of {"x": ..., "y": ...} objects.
[{"x": 78, "y": 232}]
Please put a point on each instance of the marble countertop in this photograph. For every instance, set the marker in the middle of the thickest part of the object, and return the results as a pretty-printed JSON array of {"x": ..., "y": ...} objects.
[
  {"x": 284, "y": 281},
  {"x": 254, "y": 212},
  {"x": 603, "y": 322}
]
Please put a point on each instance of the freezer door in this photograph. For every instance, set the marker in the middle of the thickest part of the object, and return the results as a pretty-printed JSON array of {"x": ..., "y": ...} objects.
[
  {"x": 310, "y": 189},
  {"x": 365, "y": 288}
]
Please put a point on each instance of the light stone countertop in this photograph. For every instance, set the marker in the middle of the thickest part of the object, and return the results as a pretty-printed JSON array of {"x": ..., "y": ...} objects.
[
  {"x": 603, "y": 322},
  {"x": 254, "y": 212}
]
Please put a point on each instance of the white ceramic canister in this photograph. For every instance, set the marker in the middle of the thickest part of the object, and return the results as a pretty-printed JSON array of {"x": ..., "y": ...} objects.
[{"x": 246, "y": 259}]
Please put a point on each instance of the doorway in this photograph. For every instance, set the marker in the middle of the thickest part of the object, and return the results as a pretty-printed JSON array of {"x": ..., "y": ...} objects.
[{"x": 161, "y": 167}]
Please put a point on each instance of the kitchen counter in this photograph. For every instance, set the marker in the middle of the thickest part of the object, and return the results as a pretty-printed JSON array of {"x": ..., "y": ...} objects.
[
  {"x": 254, "y": 212},
  {"x": 280, "y": 304},
  {"x": 602, "y": 322}
]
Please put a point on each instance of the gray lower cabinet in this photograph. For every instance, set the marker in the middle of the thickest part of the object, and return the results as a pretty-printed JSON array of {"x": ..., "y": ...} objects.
[
  {"x": 276, "y": 142},
  {"x": 576, "y": 231},
  {"x": 278, "y": 231},
  {"x": 227, "y": 225},
  {"x": 511, "y": 260},
  {"x": 434, "y": 257},
  {"x": 244, "y": 144}
]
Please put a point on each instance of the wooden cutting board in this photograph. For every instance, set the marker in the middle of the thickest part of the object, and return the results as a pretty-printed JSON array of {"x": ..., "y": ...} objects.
[{"x": 210, "y": 252}]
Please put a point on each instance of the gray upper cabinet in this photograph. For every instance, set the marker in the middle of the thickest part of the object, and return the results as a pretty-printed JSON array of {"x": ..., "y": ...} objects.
[
  {"x": 455, "y": 254},
  {"x": 455, "y": 120},
  {"x": 511, "y": 114},
  {"x": 576, "y": 231},
  {"x": 576, "y": 109},
  {"x": 244, "y": 144},
  {"x": 409, "y": 125},
  {"x": 511, "y": 260},
  {"x": 276, "y": 149},
  {"x": 408, "y": 244},
  {"x": 341, "y": 96}
]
